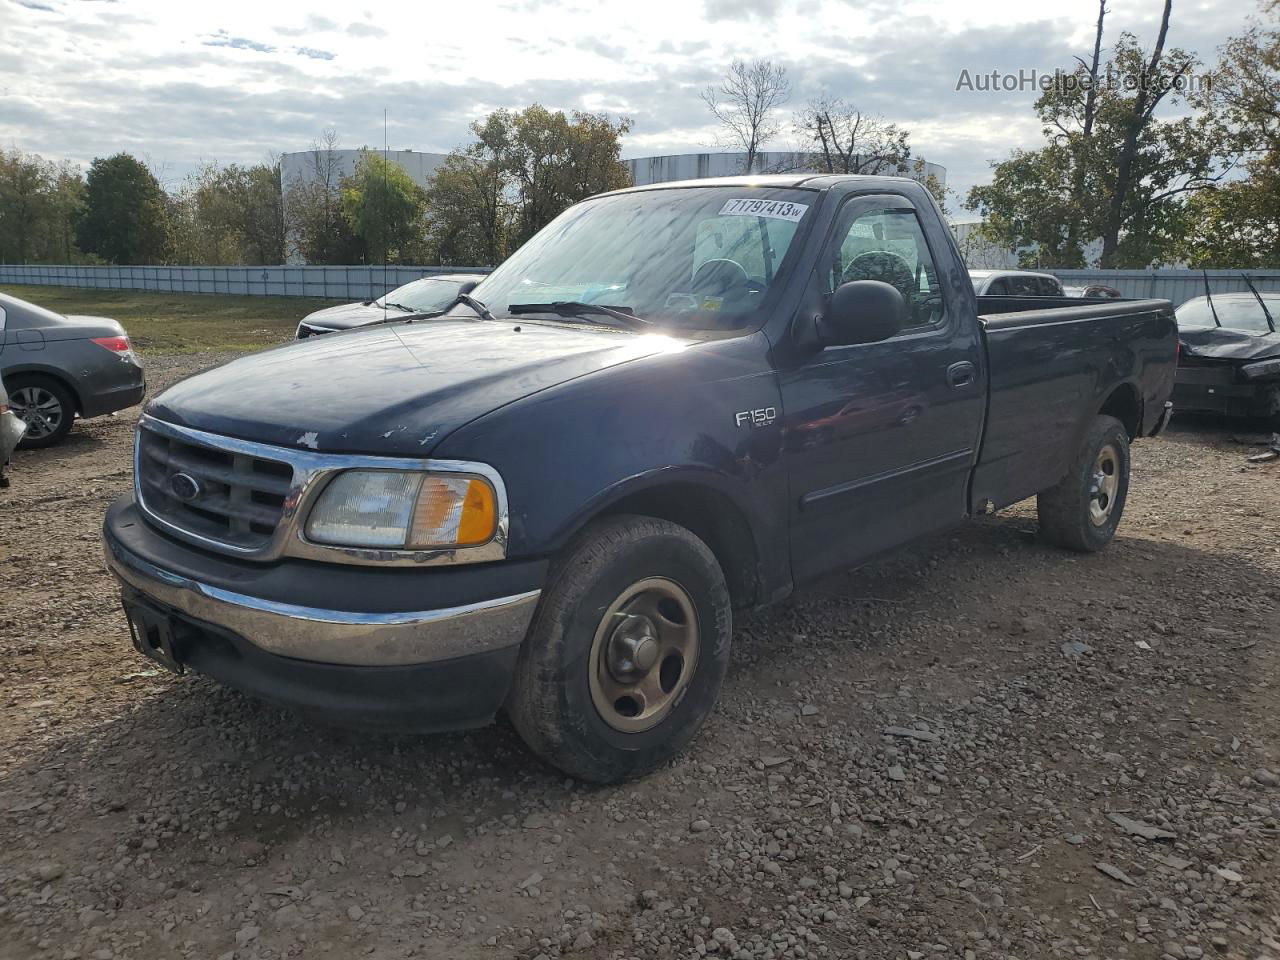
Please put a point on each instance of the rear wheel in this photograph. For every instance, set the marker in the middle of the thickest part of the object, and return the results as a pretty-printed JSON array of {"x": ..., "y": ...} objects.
[
  {"x": 1083, "y": 511},
  {"x": 46, "y": 406},
  {"x": 627, "y": 652}
]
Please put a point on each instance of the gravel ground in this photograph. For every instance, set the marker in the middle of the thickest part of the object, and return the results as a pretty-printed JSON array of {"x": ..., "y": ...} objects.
[{"x": 978, "y": 747}]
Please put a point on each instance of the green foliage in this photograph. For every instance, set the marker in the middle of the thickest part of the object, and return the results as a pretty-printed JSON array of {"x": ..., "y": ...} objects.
[
  {"x": 1238, "y": 224},
  {"x": 39, "y": 204},
  {"x": 384, "y": 209},
  {"x": 522, "y": 171},
  {"x": 1111, "y": 169},
  {"x": 313, "y": 208},
  {"x": 125, "y": 213},
  {"x": 470, "y": 214},
  {"x": 1030, "y": 203}
]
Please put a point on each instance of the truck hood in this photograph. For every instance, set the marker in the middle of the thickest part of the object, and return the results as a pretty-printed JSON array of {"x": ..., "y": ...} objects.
[
  {"x": 395, "y": 390},
  {"x": 1219, "y": 343}
]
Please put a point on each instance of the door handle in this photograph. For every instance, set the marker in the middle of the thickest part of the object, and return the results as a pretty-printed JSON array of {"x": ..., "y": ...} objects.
[{"x": 961, "y": 374}]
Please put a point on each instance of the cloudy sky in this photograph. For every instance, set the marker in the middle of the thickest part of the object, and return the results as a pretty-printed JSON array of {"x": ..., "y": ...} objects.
[{"x": 232, "y": 80}]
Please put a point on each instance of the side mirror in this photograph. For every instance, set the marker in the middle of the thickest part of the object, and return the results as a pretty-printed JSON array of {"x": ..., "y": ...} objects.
[{"x": 862, "y": 311}]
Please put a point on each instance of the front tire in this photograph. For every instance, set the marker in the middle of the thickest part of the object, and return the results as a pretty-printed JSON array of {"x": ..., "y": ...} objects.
[
  {"x": 627, "y": 652},
  {"x": 47, "y": 407},
  {"x": 1083, "y": 511}
]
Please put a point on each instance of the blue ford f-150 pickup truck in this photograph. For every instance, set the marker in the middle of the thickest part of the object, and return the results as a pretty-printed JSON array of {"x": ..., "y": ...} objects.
[{"x": 672, "y": 403}]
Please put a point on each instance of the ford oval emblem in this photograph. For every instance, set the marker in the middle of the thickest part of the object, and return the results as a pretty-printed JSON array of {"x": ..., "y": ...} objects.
[{"x": 184, "y": 486}]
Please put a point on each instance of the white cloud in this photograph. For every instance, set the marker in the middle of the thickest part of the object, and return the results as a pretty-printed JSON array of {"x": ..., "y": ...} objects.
[{"x": 181, "y": 83}]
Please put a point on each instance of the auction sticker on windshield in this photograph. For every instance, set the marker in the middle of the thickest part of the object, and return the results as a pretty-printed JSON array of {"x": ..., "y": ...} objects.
[{"x": 776, "y": 209}]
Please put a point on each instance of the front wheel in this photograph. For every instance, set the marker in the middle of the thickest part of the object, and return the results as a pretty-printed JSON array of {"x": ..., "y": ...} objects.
[
  {"x": 627, "y": 652},
  {"x": 1083, "y": 510}
]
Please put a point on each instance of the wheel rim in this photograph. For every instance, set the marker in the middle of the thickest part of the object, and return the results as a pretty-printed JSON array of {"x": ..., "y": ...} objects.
[
  {"x": 39, "y": 409},
  {"x": 644, "y": 654},
  {"x": 1104, "y": 485}
]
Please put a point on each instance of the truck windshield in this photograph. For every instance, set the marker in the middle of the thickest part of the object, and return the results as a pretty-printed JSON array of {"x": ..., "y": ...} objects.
[{"x": 700, "y": 258}]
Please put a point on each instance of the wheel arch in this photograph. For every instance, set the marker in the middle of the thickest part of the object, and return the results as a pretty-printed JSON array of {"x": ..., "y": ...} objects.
[
  {"x": 10, "y": 374},
  {"x": 706, "y": 510},
  {"x": 1124, "y": 402}
]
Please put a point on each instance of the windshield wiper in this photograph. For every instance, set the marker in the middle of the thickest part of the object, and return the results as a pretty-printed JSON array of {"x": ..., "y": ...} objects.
[
  {"x": 1209, "y": 296},
  {"x": 464, "y": 298},
  {"x": 584, "y": 311},
  {"x": 401, "y": 306},
  {"x": 1262, "y": 303},
  {"x": 470, "y": 301}
]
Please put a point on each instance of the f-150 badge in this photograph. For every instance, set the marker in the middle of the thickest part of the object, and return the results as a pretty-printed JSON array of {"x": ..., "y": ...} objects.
[{"x": 756, "y": 418}]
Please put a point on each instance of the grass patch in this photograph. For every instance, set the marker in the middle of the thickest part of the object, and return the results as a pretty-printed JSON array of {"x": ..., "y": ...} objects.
[{"x": 181, "y": 322}]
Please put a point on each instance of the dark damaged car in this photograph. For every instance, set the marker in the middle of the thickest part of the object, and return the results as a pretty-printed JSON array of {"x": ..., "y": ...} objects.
[{"x": 1230, "y": 355}]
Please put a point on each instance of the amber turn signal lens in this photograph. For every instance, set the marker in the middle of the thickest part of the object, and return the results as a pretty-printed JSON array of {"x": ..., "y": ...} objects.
[{"x": 454, "y": 511}]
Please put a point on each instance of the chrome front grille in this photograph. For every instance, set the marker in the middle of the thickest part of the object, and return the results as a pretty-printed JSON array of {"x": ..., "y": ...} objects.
[{"x": 225, "y": 496}]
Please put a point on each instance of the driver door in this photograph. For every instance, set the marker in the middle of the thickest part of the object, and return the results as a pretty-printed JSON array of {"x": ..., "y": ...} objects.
[{"x": 880, "y": 438}]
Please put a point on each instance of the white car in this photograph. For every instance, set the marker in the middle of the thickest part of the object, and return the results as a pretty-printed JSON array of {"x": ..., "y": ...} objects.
[{"x": 1015, "y": 283}]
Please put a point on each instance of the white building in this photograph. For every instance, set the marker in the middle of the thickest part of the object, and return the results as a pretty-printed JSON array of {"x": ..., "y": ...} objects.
[
  {"x": 308, "y": 166},
  {"x": 696, "y": 166}
]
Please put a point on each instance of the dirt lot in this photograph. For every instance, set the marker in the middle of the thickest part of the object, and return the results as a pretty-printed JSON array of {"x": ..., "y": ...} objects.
[{"x": 942, "y": 754}]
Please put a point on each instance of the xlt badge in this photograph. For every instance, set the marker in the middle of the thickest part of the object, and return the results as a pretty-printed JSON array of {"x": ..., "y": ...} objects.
[{"x": 756, "y": 418}]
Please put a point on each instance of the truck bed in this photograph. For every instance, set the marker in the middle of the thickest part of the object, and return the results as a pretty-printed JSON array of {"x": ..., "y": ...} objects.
[{"x": 1050, "y": 360}]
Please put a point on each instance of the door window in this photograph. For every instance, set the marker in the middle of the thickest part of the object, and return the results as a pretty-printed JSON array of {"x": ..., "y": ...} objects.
[{"x": 888, "y": 244}]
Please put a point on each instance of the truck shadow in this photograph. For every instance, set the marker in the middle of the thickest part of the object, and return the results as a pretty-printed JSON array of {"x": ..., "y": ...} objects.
[{"x": 214, "y": 764}]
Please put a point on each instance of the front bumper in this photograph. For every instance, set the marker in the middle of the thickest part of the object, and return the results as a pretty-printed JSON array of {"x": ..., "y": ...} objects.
[
  {"x": 1218, "y": 389},
  {"x": 445, "y": 667}
]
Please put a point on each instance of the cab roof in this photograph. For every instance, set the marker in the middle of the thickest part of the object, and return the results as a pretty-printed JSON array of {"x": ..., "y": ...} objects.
[{"x": 807, "y": 179}]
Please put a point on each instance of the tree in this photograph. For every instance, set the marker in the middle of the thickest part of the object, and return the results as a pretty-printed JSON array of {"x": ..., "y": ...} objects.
[
  {"x": 745, "y": 103},
  {"x": 1235, "y": 225},
  {"x": 521, "y": 172},
  {"x": 384, "y": 209},
  {"x": 125, "y": 212},
  {"x": 470, "y": 212},
  {"x": 1238, "y": 224},
  {"x": 25, "y": 189},
  {"x": 1031, "y": 203},
  {"x": 555, "y": 161},
  {"x": 1112, "y": 170},
  {"x": 64, "y": 207},
  {"x": 228, "y": 215},
  {"x": 313, "y": 217},
  {"x": 842, "y": 139}
]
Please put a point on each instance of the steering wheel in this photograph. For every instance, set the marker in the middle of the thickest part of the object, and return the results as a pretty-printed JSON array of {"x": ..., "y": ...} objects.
[
  {"x": 883, "y": 266},
  {"x": 718, "y": 277}
]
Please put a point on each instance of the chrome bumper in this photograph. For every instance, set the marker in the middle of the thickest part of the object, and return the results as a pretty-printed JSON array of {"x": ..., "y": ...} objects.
[{"x": 333, "y": 636}]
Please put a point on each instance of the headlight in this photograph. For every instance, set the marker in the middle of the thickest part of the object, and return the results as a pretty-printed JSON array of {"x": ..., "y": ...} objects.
[
  {"x": 1262, "y": 370},
  {"x": 403, "y": 510}
]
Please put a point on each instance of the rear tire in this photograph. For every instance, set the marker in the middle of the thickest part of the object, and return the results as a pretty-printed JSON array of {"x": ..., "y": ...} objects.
[
  {"x": 47, "y": 407},
  {"x": 627, "y": 652},
  {"x": 1082, "y": 512}
]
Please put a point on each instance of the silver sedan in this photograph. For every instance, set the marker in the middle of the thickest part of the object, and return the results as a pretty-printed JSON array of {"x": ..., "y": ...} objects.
[{"x": 57, "y": 368}]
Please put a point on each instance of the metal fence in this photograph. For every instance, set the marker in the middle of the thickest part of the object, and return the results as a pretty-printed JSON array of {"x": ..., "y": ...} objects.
[
  {"x": 366, "y": 283},
  {"x": 337, "y": 283},
  {"x": 1171, "y": 284}
]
